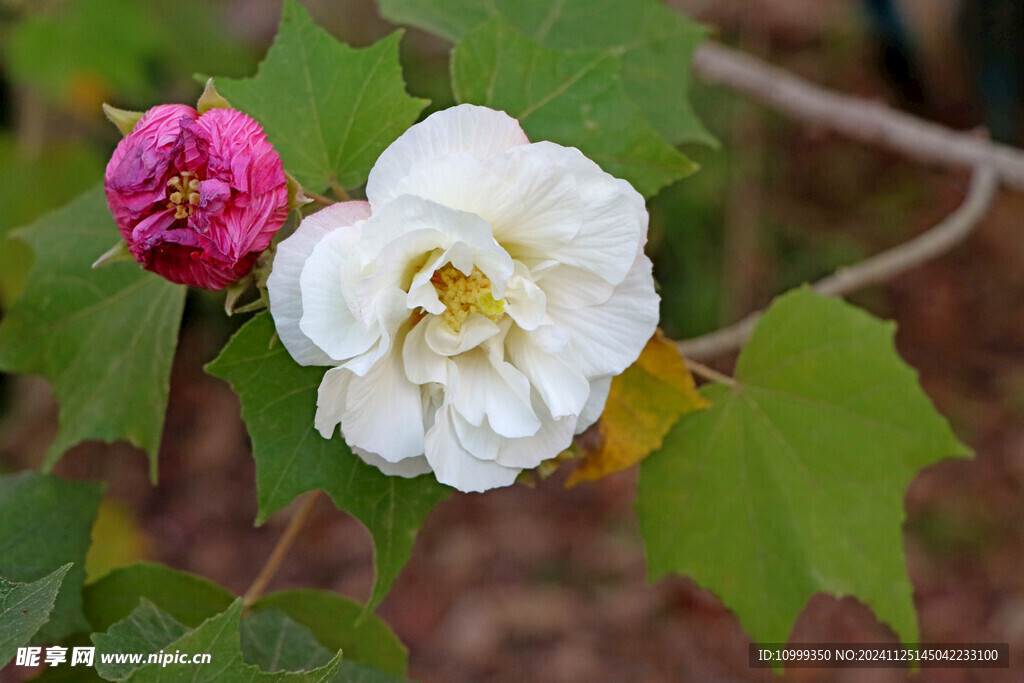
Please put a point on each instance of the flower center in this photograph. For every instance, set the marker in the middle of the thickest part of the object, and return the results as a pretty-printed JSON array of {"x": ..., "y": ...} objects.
[
  {"x": 183, "y": 194},
  {"x": 464, "y": 295}
]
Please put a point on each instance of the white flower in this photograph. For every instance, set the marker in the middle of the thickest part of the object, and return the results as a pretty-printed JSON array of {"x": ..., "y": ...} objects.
[{"x": 475, "y": 309}]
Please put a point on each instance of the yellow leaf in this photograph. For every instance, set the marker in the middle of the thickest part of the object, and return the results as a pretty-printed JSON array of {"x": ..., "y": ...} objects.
[
  {"x": 117, "y": 540},
  {"x": 643, "y": 404}
]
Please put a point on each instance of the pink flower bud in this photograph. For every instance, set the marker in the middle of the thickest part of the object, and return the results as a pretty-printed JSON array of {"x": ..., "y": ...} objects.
[{"x": 197, "y": 197}]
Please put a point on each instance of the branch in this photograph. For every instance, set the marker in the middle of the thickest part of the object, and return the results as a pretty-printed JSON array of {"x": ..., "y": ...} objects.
[
  {"x": 868, "y": 122},
  {"x": 284, "y": 544},
  {"x": 878, "y": 268}
]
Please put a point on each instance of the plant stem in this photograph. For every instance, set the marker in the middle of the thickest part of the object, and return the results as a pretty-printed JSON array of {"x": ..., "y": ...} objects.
[
  {"x": 284, "y": 544},
  {"x": 876, "y": 269},
  {"x": 709, "y": 374},
  {"x": 338, "y": 190},
  {"x": 319, "y": 198}
]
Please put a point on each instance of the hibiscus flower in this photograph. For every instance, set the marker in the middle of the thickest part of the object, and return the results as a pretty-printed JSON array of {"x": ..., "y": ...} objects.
[
  {"x": 475, "y": 308},
  {"x": 197, "y": 197}
]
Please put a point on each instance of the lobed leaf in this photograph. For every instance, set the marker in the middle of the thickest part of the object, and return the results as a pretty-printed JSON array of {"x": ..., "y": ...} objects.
[
  {"x": 219, "y": 638},
  {"x": 328, "y": 109},
  {"x": 339, "y": 624},
  {"x": 653, "y": 44},
  {"x": 105, "y": 338},
  {"x": 278, "y": 399},
  {"x": 275, "y": 642},
  {"x": 793, "y": 481},
  {"x": 147, "y": 629},
  {"x": 573, "y": 97},
  {"x": 44, "y": 525},
  {"x": 185, "y": 597},
  {"x": 24, "y": 608}
]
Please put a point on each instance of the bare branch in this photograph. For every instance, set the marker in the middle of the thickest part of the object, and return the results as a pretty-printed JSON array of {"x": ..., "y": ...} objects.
[
  {"x": 878, "y": 268},
  {"x": 868, "y": 122}
]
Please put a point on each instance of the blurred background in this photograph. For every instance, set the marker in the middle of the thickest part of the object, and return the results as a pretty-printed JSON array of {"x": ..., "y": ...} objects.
[{"x": 543, "y": 584}]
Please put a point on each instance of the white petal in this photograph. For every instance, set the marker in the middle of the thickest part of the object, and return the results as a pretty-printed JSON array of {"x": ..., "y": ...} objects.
[
  {"x": 491, "y": 387},
  {"x": 283, "y": 283},
  {"x": 421, "y": 363},
  {"x": 442, "y": 340},
  {"x": 481, "y": 441},
  {"x": 525, "y": 302},
  {"x": 389, "y": 314},
  {"x": 599, "y": 387},
  {"x": 553, "y": 437},
  {"x": 407, "y": 468},
  {"x": 556, "y": 378},
  {"x": 532, "y": 205},
  {"x": 327, "y": 318},
  {"x": 608, "y": 337},
  {"x": 455, "y": 466},
  {"x": 422, "y": 293},
  {"x": 383, "y": 411},
  {"x": 331, "y": 399},
  {"x": 611, "y": 214},
  {"x": 466, "y": 129},
  {"x": 572, "y": 287},
  {"x": 403, "y": 234}
]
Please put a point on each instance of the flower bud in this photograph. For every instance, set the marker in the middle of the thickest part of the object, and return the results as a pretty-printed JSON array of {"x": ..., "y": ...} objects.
[{"x": 196, "y": 197}]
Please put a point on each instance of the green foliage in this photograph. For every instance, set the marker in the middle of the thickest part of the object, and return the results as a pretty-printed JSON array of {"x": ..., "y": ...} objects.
[
  {"x": 104, "y": 338},
  {"x": 185, "y": 597},
  {"x": 574, "y": 98},
  {"x": 44, "y": 524},
  {"x": 278, "y": 404},
  {"x": 793, "y": 481},
  {"x": 652, "y": 45},
  {"x": 147, "y": 629},
  {"x": 219, "y": 637},
  {"x": 24, "y": 607},
  {"x": 274, "y": 642},
  {"x": 120, "y": 49},
  {"x": 339, "y": 624},
  {"x": 328, "y": 109},
  {"x": 30, "y": 185},
  {"x": 604, "y": 70}
]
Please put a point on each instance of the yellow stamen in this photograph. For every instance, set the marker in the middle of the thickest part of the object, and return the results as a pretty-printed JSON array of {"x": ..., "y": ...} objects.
[
  {"x": 464, "y": 295},
  {"x": 183, "y": 186}
]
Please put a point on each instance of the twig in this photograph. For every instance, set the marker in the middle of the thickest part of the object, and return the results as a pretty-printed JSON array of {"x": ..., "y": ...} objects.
[
  {"x": 707, "y": 373},
  {"x": 284, "y": 544},
  {"x": 868, "y": 122},
  {"x": 318, "y": 198},
  {"x": 338, "y": 190},
  {"x": 878, "y": 268}
]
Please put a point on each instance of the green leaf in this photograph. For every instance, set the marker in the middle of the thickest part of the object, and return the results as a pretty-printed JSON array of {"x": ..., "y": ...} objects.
[
  {"x": 571, "y": 97},
  {"x": 219, "y": 637},
  {"x": 653, "y": 44},
  {"x": 44, "y": 524},
  {"x": 329, "y": 110},
  {"x": 185, "y": 597},
  {"x": 24, "y": 608},
  {"x": 793, "y": 481},
  {"x": 30, "y": 185},
  {"x": 147, "y": 629},
  {"x": 357, "y": 672},
  {"x": 104, "y": 338},
  {"x": 278, "y": 404},
  {"x": 274, "y": 642},
  {"x": 339, "y": 624}
]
